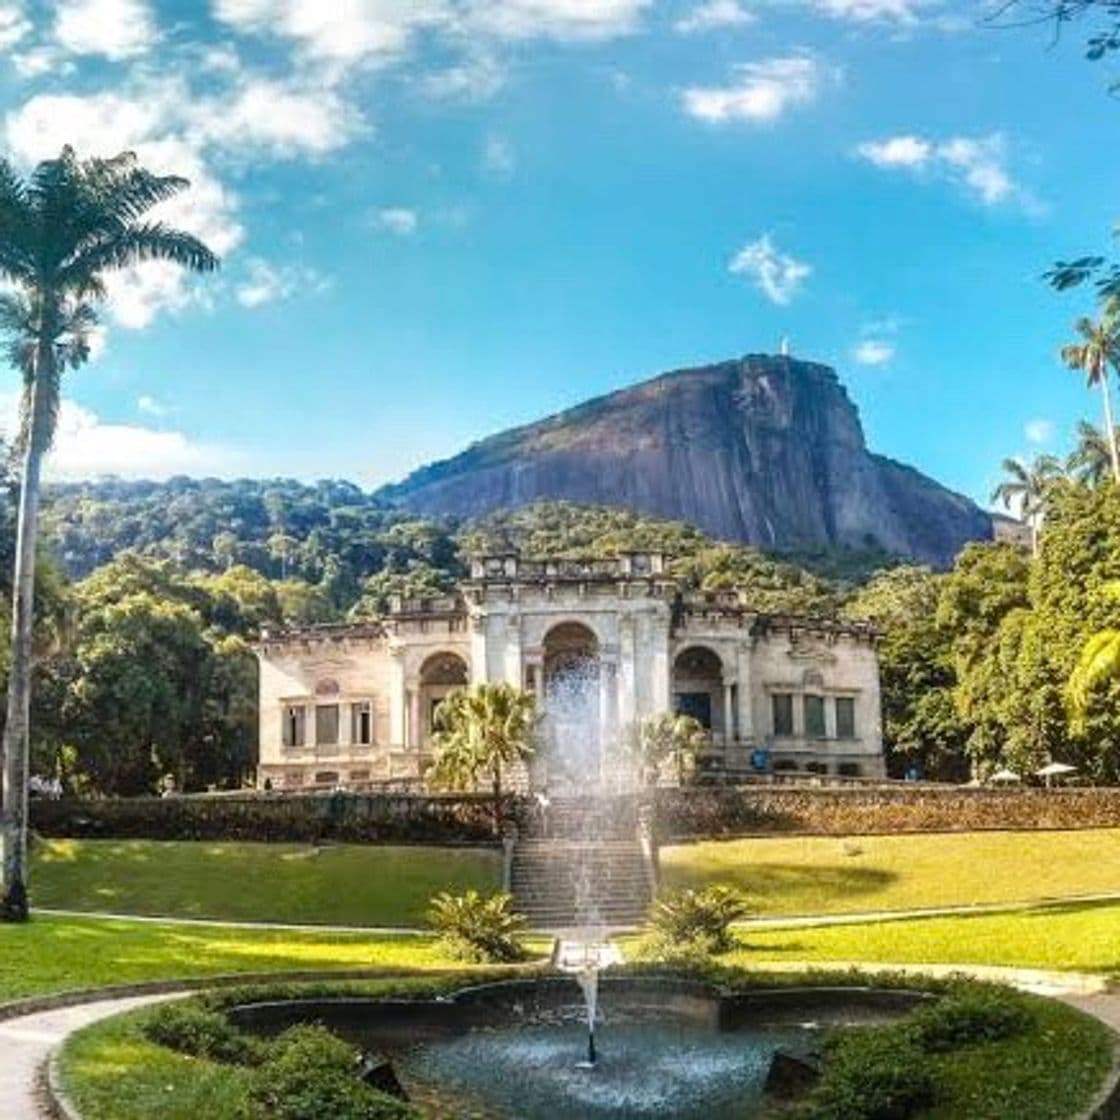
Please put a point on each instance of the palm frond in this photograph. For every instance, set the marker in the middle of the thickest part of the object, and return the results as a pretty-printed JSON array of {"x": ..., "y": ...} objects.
[{"x": 149, "y": 241}]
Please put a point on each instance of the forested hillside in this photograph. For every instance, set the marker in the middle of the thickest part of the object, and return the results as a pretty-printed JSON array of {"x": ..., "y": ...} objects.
[{"x": 334, "y": 551}]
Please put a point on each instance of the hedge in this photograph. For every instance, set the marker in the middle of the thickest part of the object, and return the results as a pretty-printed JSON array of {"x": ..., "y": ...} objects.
[
  {"x": 693, "y": 814},
  {"x": 680, "y": 814},
  {"x": 293, "y": 818}
]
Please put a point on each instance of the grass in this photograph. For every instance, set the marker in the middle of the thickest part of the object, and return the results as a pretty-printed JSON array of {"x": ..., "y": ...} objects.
[
  {"x": 345, "y": 884},
  {"x": 1049, "y": 1072},
  {"x": 52, "y": 954},
  {"x": 1072, "y": 937},
  {"x": 828, "y": 875}
]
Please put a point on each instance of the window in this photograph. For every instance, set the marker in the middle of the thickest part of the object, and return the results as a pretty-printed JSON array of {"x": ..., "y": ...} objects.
[
  {"x": 361, "y": 723},
  {"x": 326, "y": 777},
  {"x": 295, "y": 725},
  {"x": 782, "y": 705},
  {"x": 359, "y": 775},
  {"x": 814, "y": 717},
  {"x": 695, "y": 704},
  {"x": 845, "y": 717},
  {"x": 326, "y": 725}
]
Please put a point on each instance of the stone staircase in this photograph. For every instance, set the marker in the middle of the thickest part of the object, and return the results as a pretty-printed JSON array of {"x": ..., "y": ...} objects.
[{"x": 580, "y": 862}]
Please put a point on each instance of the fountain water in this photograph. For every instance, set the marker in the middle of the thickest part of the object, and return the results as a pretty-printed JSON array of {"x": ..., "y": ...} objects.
[{"x": 578, "y": 742}]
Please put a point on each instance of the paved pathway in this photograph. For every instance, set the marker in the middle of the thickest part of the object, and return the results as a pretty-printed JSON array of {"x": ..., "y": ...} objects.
[{"x": 26, "y": 1043}]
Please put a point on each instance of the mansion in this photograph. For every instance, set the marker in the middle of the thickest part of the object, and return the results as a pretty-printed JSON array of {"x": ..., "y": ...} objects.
[{"x": 603, "y": 644}]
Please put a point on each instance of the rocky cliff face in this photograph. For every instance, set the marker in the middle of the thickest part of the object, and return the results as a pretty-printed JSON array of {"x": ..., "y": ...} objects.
[{"x": 764, "y": 450}]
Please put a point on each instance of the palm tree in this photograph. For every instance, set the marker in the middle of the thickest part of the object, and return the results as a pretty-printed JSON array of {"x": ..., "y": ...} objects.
[
  {"x": 1090, "y": 460},
  {"x": 62, "y": 228},
  {"x": 1099, "y": 349},
  {"x": 481, "y": 730},
  {"x": 668, "y": 735},
  {"x": 1027, "y": 486}
]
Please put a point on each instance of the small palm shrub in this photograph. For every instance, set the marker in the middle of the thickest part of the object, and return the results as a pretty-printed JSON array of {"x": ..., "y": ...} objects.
[
  {"x": 696, "y": 922},
  {"x": 193, "y": 1030},
  {"x": 967, "y": 1019},
  {"x": 478, "y": 928},
  {"x": 310, "y": 1074}
]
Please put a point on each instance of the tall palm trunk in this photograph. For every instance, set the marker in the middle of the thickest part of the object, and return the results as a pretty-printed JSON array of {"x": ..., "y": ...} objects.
[
  {"x": 17, "y": 737},
  {"x": 1110, "y": 429}
]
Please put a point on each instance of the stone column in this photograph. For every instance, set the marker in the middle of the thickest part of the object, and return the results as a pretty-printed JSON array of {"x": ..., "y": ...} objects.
[
  {"x": 746, "y": 697},
  {"x": 398, "y": 703},
  {"x": 728, "y": 715},
  {"x": 628, "y": 704},
  {"x": 415, "y": 718}
]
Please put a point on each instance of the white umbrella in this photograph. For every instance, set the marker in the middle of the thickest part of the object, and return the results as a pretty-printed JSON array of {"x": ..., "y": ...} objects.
[
  {"x": 1055, "y": 770},
  {"x": 1005, "y": 775}
]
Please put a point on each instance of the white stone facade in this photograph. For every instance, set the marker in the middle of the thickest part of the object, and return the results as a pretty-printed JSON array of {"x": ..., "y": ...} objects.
[{"x": 353, "y": 705}]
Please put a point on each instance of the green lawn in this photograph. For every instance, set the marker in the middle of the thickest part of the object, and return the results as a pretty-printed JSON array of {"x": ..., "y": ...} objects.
[
  {"x": 1079, "y": 938},
  {"x": 825, "y": 875},
  {"x": 345, "y": 884},
  {"x": 52, "y": 954}
]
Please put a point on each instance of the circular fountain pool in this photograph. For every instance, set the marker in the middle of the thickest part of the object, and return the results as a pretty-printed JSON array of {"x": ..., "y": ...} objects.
[
  {"x": 534, "y": 1071},
  {"x": 515, "y": 1050}
]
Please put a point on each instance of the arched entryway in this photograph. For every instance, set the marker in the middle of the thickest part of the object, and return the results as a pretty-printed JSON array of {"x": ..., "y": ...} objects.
[
  {"x": 439, "y": 675},
  {"x": 699, "y": 690},
  {"x": 572, "y": 700}
]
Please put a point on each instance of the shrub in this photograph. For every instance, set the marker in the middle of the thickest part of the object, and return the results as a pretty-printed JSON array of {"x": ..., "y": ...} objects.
[
  {"x": 697, "y": 921},
  {"x": 476, "y": 927},
  {"x": 873, "y": 1073},
  {"x": 967, "y": 1018},
  {"x": 310, "y": 1074},
  {"x": 193, "y": 1030}
]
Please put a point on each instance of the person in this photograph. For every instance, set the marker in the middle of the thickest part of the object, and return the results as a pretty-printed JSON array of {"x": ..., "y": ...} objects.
[{"x": 543, "y": 802}]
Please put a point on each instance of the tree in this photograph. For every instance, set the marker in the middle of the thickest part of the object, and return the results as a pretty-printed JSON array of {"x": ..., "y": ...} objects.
[
  {"x": 1027, "y": 487},
  {"x": 667, "y": 737},
  {"x": 62, "y": 229},
  {"x": 482, "y": 730},
  {"x": 1097, "y": 352},
  {"x": 1090, "y": 461}
]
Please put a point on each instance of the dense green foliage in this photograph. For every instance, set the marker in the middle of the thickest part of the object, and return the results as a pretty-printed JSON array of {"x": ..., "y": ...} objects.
[
  {"x": 192, "y": 1029},
  {"x": 475, "y": 927},
  {"x": 695, "y": 921}
]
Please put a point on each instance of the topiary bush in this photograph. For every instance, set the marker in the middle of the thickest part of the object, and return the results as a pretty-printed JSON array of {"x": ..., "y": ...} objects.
[
  {"x": 696, "y": 921},
  {"x": 193, "y": 1030},
  {"x": 310, "y": 1074},
  {"x": 967, "y": 1018},
  {"x": 872, "y": 1073},
  {"x": 478, "y": 928}
]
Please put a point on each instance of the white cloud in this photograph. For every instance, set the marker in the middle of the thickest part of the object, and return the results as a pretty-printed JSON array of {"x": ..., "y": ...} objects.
[
  {"x": 269, "y": 283},
  {"x": 760, "y": 92},
  {"x": 976, "y": 163},
  {"x": 282, "y": 119},
  {"x": 150, "y": 406},
  {"x": 346, "y": 33},
  {"x": 874, "y": 352},
  {"x": 476, "y": 77},
  {"x": 872, "y": 11},
  {"x": 713, "y": 14},
  {"x": 115, "y": 29},
  {"x": 897, "y": 151},
  {"x": 13, "y": 24},
  {"x": 554, "y": 19},
  {"x": 85, "y": 446},
  {"x": 778, "y": 275},
  {"x": 498, "y": 157},
  {"x": 397, "y": 219},
  {"x": 1039, "y": 430}
]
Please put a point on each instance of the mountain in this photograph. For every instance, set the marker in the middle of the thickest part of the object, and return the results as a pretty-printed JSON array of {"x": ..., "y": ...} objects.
[{"x": 764, "y": 450}]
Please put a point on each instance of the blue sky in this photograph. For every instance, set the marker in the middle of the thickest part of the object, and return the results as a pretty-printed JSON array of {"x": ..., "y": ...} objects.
[{"x": 443, "y": 217}]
